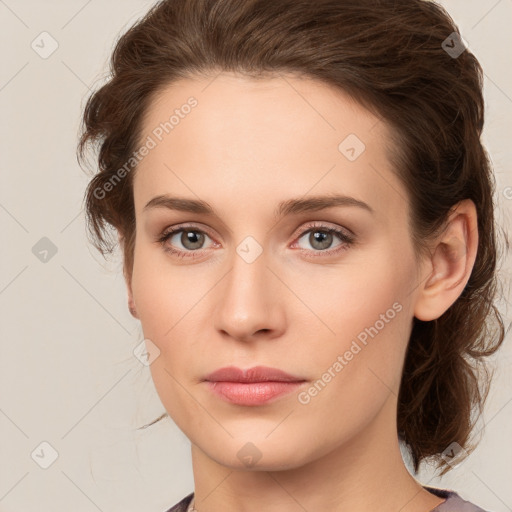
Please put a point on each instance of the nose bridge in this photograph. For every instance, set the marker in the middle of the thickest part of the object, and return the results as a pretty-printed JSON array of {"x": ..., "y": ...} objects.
[{"x": 248, "y": 297}]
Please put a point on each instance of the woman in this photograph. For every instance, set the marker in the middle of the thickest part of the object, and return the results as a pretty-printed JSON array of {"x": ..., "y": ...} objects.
[{"x": 306, "y": 216}]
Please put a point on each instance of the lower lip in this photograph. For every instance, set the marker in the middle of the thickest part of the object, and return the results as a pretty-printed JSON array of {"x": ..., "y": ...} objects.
[{"x": 252, "y": 393}]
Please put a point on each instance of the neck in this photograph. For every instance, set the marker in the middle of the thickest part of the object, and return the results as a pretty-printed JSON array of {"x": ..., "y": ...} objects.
[{"x": 365, "y": 473}]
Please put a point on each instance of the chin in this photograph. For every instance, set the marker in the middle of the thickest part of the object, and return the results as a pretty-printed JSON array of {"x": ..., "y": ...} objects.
[{"x": 257, "y": 455}]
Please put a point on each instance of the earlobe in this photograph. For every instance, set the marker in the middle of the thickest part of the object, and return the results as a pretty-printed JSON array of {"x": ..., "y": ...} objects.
[
  {"x": 127, "y": 279},
  {"x": 451, "y": 263},
  {"x": 131, "y": 307},
  {"x": 131, "y": 302}
]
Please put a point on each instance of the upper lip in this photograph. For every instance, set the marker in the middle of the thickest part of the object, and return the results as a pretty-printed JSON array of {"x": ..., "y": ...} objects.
[{"x": 255, "y": 374}]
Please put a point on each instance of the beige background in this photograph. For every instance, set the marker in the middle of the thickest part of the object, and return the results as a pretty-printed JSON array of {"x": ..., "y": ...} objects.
[{"x": 67, "y": 373}]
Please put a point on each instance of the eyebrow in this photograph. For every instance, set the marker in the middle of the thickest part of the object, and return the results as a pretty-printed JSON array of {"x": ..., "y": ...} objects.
[{"x": 284, "y": 208}]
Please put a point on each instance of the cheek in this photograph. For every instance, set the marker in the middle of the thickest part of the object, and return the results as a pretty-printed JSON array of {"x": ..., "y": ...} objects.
[
  {"x": 368, "y": 310},
  {"x": 172, "y": 303},
  {"x": 352, "y": 297},
  {"x": 165, "y": 299},
  {"x": 160, "y": 293},
  {"x": 359, "y": 369}
]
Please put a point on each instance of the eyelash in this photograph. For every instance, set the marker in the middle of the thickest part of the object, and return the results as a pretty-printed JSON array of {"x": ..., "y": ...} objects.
[{"x": 346, "y": 239}]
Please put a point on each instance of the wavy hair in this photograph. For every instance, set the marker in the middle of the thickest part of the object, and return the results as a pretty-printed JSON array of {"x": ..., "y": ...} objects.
[{"x": 393, "y": 58}]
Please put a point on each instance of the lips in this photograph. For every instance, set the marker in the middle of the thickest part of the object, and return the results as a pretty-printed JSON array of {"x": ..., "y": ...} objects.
[
  {"x": 255, "y": 374},
  {"x": 251, "y": 387}
]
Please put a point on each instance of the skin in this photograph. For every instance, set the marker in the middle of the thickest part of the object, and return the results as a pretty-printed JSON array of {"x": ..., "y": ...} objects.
[{"x": 248, "y": 145}]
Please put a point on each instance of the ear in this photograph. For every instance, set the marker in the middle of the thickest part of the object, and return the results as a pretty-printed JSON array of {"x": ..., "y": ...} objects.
[
  {"x": 128, "y": 281},
  {"x": 450, "y": 264}
]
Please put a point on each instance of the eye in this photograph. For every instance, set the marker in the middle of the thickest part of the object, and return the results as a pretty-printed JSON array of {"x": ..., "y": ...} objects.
[
  {"x": 189, "y": 241},
  {"x": 321, "y": 239},
  {"x": 182, "y": 240}
]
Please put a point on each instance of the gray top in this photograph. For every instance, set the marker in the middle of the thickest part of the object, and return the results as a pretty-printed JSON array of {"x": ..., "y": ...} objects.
[{"x": 452, "y": 503}]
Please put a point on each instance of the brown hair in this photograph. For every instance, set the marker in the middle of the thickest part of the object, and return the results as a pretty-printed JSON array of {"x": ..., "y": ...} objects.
[{"x": 391, "y": 57}]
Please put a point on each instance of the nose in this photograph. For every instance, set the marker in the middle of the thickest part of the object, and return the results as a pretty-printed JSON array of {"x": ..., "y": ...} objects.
[{"x": 250, "y": 302}]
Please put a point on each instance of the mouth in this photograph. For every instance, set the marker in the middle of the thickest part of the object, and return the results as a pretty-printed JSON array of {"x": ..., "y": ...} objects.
[{"x": 255, "y": 386}]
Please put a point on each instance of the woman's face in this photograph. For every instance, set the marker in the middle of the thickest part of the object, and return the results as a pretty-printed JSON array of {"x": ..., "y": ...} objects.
[{"x": 249, "y": 171}]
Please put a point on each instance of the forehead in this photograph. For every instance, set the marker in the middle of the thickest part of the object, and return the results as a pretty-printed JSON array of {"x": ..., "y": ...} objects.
[{"x": 281, "y": 136}]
